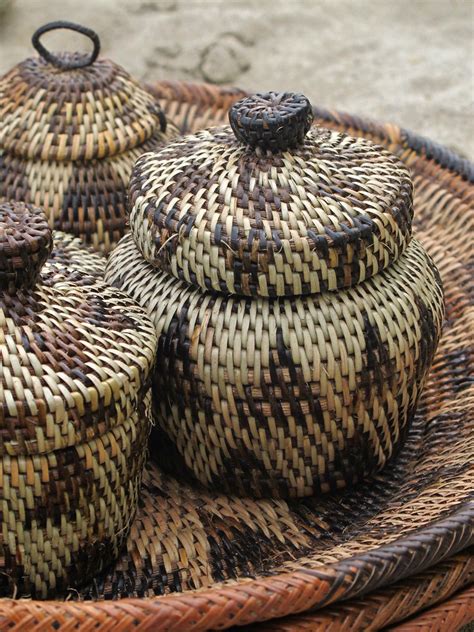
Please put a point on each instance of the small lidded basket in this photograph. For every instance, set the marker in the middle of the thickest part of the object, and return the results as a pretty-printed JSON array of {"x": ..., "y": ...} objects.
[
  {"x": 71, "y": 128},
  {"x": 76, "y": 357},
  {"x": 296, "y": 316}
]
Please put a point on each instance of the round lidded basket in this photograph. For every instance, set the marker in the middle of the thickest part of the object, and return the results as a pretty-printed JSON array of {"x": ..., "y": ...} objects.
[
  {"x": 74, "y": 423},
  {"x": 71, "y": 127},
  {"x": 296, "y": 319}
]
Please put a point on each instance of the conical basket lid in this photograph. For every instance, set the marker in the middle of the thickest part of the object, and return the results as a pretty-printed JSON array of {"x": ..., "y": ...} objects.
[{"x": 71, "y": 106}]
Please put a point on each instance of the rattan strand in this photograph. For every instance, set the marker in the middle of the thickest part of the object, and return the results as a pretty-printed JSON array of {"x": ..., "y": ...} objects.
[
  {"x": 448, "y": 617},
  {"x": 395, "y": 603}
]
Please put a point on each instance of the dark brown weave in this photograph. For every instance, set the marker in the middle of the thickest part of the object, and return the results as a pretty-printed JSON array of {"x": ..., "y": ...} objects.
[
  {"x": 25, "y": 244},
  {"x": 272, "y": 120}
]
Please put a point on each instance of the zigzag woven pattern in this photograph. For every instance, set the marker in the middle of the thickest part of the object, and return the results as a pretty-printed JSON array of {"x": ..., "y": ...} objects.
[
  {"x": 74, "y": 424},
  {"x": 332, "y": 212},
  {"x": 69, "y": 139},
  {"x": 287, "y": 397}
]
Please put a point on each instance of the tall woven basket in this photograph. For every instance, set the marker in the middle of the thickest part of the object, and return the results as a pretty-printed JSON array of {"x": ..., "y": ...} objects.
[{"x": 363, "y": 559}]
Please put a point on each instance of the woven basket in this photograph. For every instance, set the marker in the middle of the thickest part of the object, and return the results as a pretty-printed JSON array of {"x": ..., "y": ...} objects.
[
  {"x": 71, "y": 128},
  {"x": 296, "y": 320},
  {"x": 235, "y": 562},
  {"x": 74, "y": 421}
]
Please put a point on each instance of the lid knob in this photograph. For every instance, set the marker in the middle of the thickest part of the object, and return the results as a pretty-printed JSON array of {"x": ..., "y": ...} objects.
[
  {"x": 272, "y": 120},
  {"x": 26, "y": 242},
  {"x": 66, "y": 62}
]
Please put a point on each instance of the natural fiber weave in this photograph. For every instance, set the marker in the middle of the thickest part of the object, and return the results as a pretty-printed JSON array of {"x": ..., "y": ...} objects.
[
  {"x": 68, "y": 141},
  {"x": 291, "y": 397},
  {"x": 311, "y": 392},
  {"x": 66, "y": 514},
  {"x": 448, "y": 617},
  {"x": 71, "y": 254},
  {"x": 25, "y": 244},
  {"x": 272, "y": 120},
  {"x": 278, "y": 558},
  {"x": 74, "y": 426},
  {"x": 326, "y": 215},
  {"x": 395, "y": 603}
]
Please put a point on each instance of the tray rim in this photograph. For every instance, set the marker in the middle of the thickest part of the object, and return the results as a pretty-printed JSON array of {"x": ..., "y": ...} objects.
[{"x": 390, "y": 606}]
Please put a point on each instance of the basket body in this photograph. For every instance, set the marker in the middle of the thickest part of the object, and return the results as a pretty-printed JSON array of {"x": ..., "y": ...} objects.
[
  {"x": 286, "y": 397},
  {"x": 66, "y": 514},
  {"x": 86, "y": 199}
]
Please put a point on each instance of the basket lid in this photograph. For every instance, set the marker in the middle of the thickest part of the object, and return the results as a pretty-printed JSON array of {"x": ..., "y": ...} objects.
[
  {"x": 76, "y": 353},
  {"x": 73, "y": 106},
  {"x": 271, "y": 206}
]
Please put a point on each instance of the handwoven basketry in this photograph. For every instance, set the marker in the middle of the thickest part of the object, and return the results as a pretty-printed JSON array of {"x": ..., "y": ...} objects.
[
  {"x": 71, "y": 253},
  {"x": 235, "y": 562},
  {"x": 74, "y": 419},
  {"x": 296, "y": 318},
  {"x": 71, "y": 128},
  {"x": 446, "y": 584}
]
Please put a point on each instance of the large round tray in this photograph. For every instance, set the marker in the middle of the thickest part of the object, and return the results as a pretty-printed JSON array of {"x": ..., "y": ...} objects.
[{"x": 197, "y": 560}]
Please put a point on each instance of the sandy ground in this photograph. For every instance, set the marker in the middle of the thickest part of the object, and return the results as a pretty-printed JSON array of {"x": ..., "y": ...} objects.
[{"x": 407, "y": 61}]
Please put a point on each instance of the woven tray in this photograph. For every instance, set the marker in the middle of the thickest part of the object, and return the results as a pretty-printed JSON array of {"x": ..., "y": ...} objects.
[
  {"x": 436, "y": 589},
  {"x": 232, "y": 561}
]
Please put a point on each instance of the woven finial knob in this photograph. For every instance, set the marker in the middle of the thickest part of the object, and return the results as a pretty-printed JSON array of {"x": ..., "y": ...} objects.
[
  {"x": 272, "y": 120},
  {"x": 26, "y": 242}
]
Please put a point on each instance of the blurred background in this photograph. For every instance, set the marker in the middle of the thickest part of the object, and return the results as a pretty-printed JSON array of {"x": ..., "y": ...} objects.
[{"x": 410, "y": 62}]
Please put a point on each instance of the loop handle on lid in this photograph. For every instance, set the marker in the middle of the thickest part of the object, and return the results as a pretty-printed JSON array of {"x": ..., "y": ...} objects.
[
  {"x": 272, "y": 120},
  {"x": 66, "y": 63}
]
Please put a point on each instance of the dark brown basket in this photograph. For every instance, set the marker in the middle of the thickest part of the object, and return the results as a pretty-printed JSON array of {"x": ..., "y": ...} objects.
[{"x": 233, "y": 561}]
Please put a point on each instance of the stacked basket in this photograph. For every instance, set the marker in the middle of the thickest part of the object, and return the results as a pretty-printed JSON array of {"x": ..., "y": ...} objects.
[
  {"x": 74, "y": 423},
  {"x": 296, "y": 317}
]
